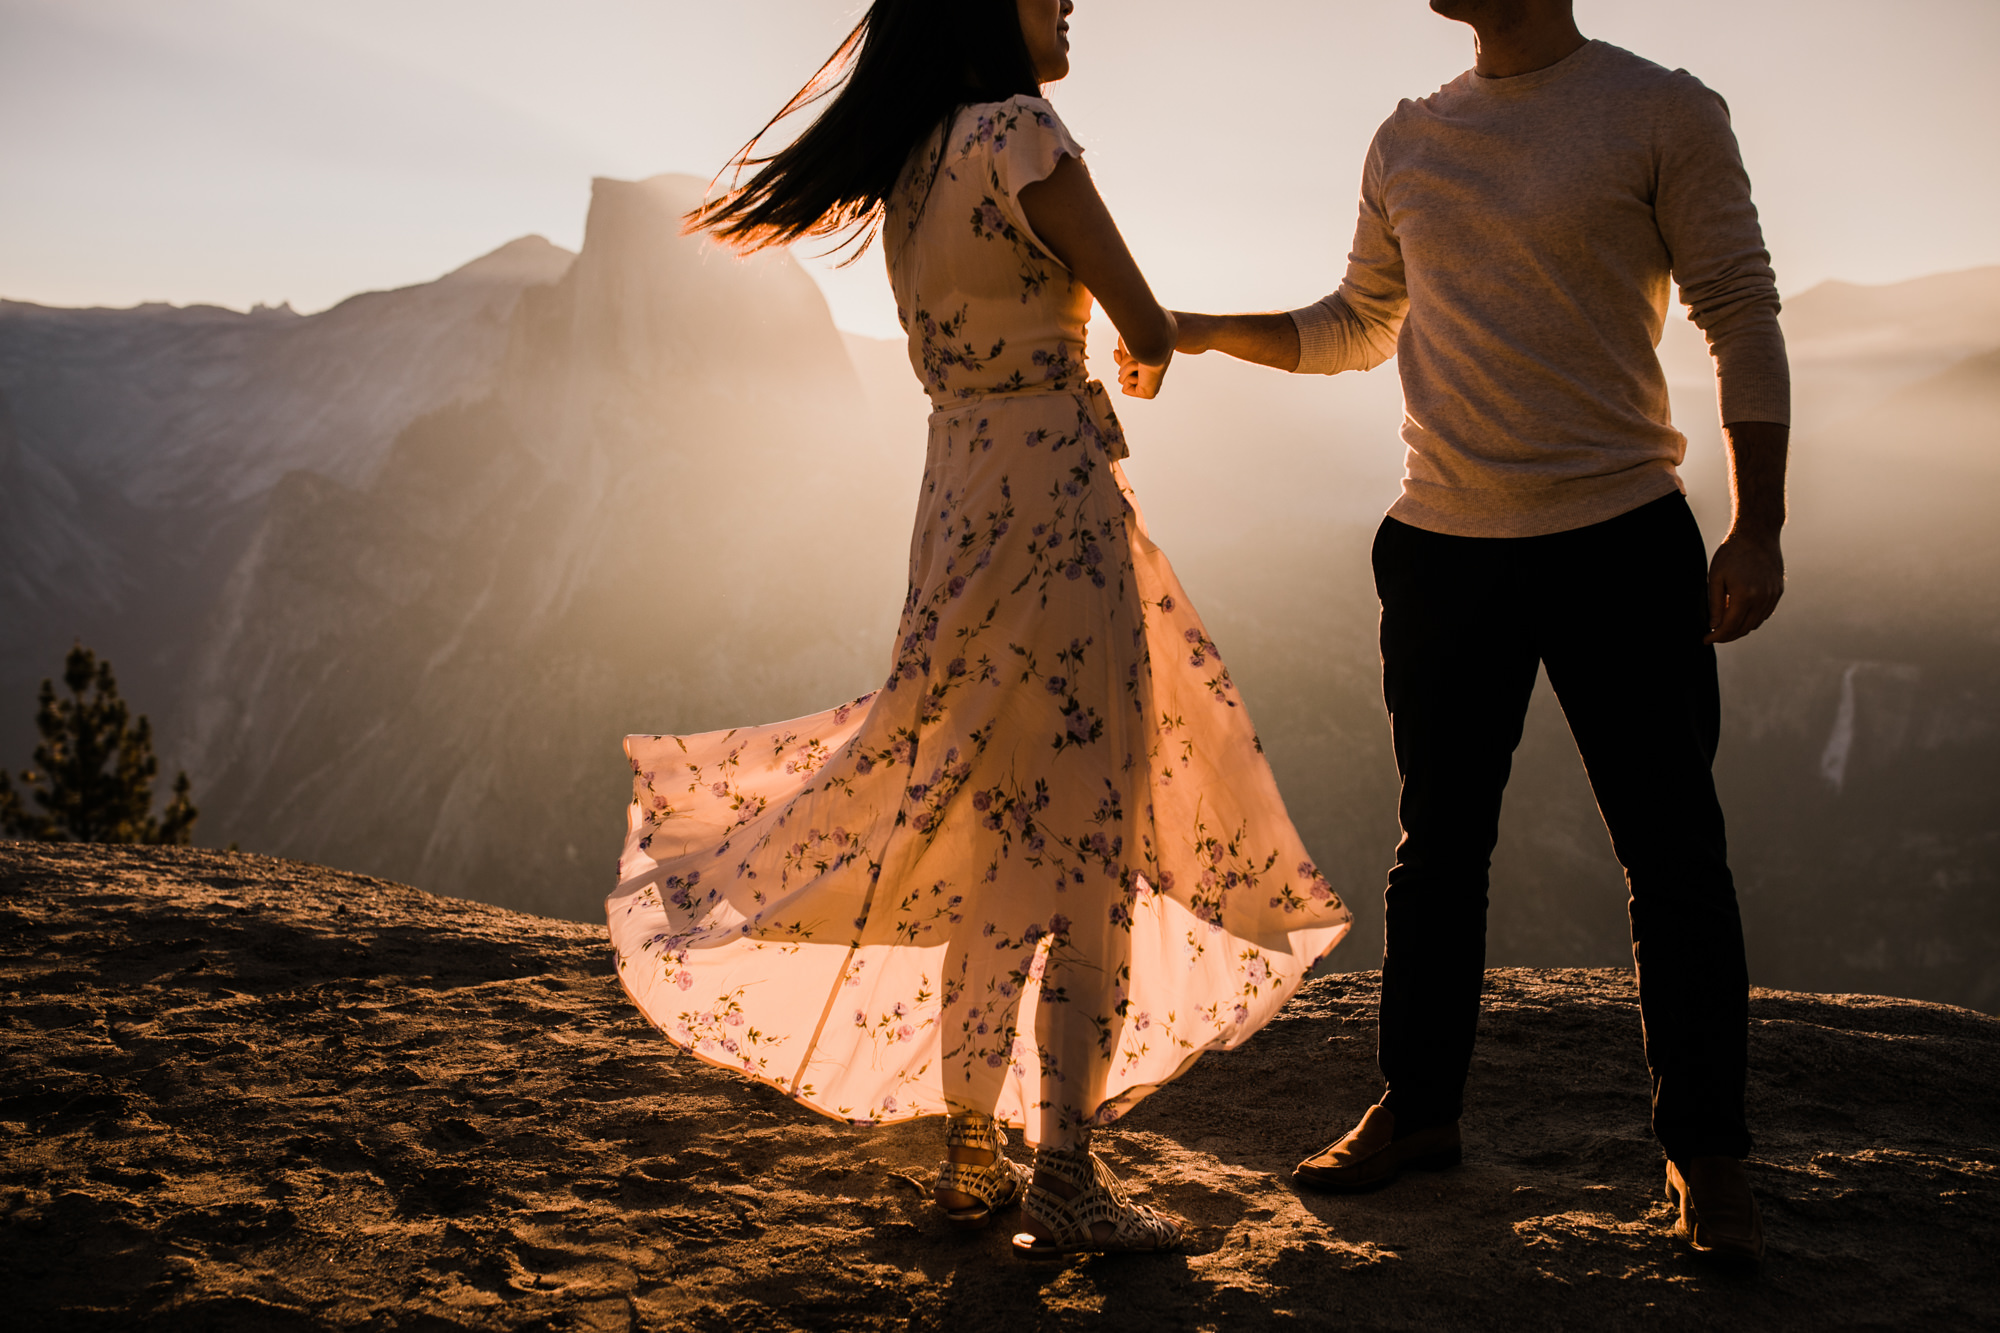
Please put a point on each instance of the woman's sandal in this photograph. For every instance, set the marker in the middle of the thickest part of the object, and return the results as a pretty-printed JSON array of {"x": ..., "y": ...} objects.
[
  {"x": 1099, "y": 1199},
  {"x": 994, "y": 1184}
]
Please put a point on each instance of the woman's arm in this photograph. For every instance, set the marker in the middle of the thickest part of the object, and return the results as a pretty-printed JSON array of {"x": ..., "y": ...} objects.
[{"x": 1069, "y": 216}]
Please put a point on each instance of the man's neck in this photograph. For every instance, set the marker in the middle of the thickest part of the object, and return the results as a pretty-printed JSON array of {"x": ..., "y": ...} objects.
[{"x": 1525, "y": 45}]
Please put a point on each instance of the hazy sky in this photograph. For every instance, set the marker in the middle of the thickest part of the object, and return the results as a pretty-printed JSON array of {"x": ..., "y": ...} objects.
[{"x": 237, "y": 151}]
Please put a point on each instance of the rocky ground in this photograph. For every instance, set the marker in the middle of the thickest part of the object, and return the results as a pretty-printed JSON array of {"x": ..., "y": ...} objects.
[{"x": 242, "y": 1093}]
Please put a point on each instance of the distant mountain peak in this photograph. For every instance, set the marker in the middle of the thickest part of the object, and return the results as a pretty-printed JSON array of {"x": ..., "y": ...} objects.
[
  {"x": 672, "y": 185},
  {"x": 526, "y": 260},
  {"x": 649, "y": 298},
  {"x": 1949, "y": 315}
]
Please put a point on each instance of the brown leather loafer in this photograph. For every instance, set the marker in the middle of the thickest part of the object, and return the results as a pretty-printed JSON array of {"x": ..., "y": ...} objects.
[
  {"x": 1719, "y": 1214},
  {"x": 1370, "y": 1154}
]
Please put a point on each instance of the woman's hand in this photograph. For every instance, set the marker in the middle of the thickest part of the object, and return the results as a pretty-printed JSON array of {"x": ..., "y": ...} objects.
[{"x": 1136, "y": 378}]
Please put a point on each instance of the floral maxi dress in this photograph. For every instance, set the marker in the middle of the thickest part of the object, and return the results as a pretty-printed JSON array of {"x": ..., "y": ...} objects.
[{"x": 1043, "y": 867}]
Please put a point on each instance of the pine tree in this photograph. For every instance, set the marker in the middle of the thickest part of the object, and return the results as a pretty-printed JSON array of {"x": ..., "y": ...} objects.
[{"x": 94, "y": 770}]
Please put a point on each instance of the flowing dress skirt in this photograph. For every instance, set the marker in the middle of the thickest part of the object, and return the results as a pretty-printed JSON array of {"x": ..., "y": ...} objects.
[{"x": 1036, "y": 874}]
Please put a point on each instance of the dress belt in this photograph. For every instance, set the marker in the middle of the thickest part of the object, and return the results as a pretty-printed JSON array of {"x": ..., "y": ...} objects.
[
  {"x": 1091, "y": 392},
  {"x": 1087, "y": 389}
]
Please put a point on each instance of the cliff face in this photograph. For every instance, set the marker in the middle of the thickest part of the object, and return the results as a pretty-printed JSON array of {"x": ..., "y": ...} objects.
[
  {"x": 668, "y": 514},
  {"x": 251, "y": 1094},
  {"x": 147, "y": 443},
  {"x": 395, "y": 579},
  {"x": 43, "y": 543},
  {"x": 1876, "y": 709}
]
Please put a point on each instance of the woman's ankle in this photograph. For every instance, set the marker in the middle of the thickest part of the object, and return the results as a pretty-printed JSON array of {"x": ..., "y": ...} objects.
[{"x": 1054, "y": 1177}]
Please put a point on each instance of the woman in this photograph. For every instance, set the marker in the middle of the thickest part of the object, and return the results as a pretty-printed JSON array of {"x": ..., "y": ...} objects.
[{"x": 1045, "y": 866}]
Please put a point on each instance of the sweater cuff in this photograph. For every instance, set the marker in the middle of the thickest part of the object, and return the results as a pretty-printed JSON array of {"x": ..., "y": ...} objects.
[
  {"x": 1758, "y": 391},
  {"x": 1319, "y": 339}
]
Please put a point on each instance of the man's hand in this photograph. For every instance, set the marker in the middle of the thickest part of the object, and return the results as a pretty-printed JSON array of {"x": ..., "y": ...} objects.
[
  {"x": 1745, "y": 581},
  {"x": 1747, "y": 576},
  {"x": 1136, "y": 378}
]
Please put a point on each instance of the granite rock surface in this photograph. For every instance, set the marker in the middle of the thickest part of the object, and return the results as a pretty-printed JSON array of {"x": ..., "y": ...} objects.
[{"x": 244, "y": 1093}]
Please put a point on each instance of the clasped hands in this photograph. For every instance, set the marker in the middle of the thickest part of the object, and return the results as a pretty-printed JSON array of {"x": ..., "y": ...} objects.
[
  {"x": 1142, "y": 379},
  {"x": 1193, "y": 334}
]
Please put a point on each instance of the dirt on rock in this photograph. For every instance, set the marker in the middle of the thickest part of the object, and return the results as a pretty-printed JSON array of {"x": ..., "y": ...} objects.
[{"x": 243, "y": 1093}]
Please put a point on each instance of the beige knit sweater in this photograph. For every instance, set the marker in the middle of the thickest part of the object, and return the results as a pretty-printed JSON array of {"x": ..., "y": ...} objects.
[{"x": 1516, "y": 249}]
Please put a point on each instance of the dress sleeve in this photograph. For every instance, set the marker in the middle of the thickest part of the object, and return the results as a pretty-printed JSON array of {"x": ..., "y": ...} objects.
[{"x": 1028, "y": 140}]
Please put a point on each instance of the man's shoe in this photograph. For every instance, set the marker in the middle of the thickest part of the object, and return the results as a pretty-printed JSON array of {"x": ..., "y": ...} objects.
[
  {"x": 1719, "y": 1215},
  {"x": 1370, "y": 1154}
]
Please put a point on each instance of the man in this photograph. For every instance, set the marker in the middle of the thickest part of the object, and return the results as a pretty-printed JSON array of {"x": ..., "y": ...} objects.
[{"x": 1519, "y": 232}]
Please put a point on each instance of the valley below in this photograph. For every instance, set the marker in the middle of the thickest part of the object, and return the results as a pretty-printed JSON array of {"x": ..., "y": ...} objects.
[{"x": 394, "y": 579}]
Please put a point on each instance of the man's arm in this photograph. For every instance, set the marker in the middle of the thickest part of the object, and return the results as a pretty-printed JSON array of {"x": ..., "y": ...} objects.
[
  {"x": 1747, "y": 576},
  {"x": 1354, "y": 329},
  {"x": 1345, "y": 331},
  {"x": 1270, "y": 339},
  {"x": 1709, "y": 223},
  {"x": 1703, "y": 208}
]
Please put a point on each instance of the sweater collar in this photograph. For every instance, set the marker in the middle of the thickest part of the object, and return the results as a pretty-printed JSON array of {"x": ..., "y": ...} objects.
[{"x": 1517, "y": 84}]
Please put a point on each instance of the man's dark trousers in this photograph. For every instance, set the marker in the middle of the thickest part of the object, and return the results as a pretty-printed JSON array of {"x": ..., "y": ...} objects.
[{"x": 1616, "y": 613}]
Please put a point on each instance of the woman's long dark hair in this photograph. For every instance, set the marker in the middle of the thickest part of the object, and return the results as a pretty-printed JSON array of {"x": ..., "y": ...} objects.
[{"x": 907, "y": 68}]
